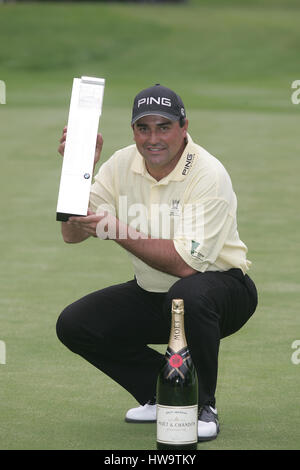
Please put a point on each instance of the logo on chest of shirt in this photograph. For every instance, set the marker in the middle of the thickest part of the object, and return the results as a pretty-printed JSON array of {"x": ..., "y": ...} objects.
[
  {"x": 188, "y": 163},
  {"x": 175, "y": 208}
]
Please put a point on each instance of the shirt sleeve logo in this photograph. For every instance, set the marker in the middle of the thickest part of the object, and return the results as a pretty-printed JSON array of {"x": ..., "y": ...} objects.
[{"x": 195, "y": 250}]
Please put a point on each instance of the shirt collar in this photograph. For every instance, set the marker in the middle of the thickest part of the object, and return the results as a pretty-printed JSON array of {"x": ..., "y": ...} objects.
[{"x": 180, "y": 171}]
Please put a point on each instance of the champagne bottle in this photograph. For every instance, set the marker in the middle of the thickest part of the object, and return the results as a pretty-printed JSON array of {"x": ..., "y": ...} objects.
[{"x": 177, "y": 390}]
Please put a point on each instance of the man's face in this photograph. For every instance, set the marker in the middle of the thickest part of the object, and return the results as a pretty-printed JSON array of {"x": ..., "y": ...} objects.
[{"x": 161, "y": 143}]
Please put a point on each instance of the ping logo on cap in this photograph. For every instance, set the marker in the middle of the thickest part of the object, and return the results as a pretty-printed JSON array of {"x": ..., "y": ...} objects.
[{"x": 151, "y": 99}]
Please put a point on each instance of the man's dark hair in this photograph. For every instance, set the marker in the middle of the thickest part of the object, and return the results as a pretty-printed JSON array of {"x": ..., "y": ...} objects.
[{"x": 181, "y": 121}]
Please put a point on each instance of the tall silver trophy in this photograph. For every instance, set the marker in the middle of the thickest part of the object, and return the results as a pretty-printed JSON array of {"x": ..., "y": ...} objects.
[{"x": 77, "y": 167}]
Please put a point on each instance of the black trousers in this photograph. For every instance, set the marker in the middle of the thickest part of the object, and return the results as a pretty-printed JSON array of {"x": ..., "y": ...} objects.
[{"x": 113, "y": 327}]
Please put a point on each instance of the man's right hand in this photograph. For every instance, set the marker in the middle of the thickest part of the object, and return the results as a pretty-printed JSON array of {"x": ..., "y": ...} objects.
[{"x": 99, "y": 145}]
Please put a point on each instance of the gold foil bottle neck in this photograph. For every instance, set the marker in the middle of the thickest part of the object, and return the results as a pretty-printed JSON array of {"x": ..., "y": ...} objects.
[{"x": 178, "y": 306}]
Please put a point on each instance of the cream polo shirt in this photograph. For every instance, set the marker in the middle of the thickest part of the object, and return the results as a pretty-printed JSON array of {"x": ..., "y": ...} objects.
[{"x": 194, "y": 205}]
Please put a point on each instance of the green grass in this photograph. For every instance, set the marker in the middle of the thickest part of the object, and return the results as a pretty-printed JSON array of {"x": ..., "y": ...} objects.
[{"x": 233, "y": 64}]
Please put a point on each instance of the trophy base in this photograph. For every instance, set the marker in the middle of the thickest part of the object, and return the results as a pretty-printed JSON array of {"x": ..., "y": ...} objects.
[{"x": 63, "y": 217}]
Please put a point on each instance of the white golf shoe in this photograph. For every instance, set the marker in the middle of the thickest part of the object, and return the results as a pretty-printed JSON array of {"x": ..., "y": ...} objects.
[
  {"x": 208, "y": 423},
  {"x": 142, "y": 414}
]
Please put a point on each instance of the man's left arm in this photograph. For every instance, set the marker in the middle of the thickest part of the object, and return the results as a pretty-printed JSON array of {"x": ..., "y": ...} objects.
[{"x": 160, "y": 254}]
